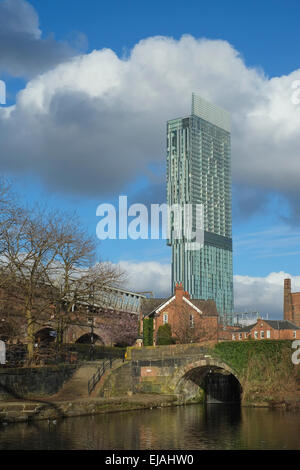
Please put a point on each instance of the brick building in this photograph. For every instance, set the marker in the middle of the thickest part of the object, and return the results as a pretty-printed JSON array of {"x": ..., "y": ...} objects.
[
  {"x": 225, "y": 332},
  {"x": 266, "y": 329},
  {"x": 291, "y": 304},
  {"x": 191, "y": 320}
]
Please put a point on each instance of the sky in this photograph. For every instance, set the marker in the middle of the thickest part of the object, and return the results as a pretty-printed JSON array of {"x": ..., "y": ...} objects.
[{"x": 90, "y": 85}]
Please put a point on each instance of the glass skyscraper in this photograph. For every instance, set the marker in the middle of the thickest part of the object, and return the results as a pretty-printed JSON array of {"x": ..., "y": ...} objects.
[{"x": 199, "y": 172}]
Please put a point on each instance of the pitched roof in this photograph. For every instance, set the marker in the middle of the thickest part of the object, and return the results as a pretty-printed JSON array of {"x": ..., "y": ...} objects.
[
  {"x": 275, "y": 324},
  {"x": 282, "y": 325},
  {"x": 208, "y": 307},
  {"x": 150, "y": 305},
  {"x": 245, "y": 329}
]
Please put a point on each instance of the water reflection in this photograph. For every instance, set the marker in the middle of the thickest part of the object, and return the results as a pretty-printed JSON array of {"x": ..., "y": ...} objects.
[{"x": 187, "y": 427}]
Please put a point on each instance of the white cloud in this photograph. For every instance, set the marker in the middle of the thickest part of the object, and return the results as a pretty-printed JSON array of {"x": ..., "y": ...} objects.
[
  {"x": 94, "y": 123},
  {"x": 262, "y": 294},
  {"x": 147, "y": 276}
]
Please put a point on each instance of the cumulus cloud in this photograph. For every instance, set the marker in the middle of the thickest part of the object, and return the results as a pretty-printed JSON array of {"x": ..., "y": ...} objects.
[
  {"x": 262, "y": 294},
  {"x": 147, "y": 276},
  {"x": 23, "y": 51},
  {"x": 97, "y": 122},
  {"x": 251, "y": 294}
]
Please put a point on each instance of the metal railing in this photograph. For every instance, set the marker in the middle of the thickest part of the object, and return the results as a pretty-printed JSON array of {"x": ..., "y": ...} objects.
[{"x": 100, "y": 372}]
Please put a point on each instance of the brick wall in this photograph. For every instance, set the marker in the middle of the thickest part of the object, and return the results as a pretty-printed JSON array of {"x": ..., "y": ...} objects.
[
  {"x": 291, "y": 303},
  {"x": 187, "y": 323}
]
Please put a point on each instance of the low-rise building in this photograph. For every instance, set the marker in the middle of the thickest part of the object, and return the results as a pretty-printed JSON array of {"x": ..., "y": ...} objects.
[
  {"x": 191, "y": 320},
  {"x": 267, "y": 329}
]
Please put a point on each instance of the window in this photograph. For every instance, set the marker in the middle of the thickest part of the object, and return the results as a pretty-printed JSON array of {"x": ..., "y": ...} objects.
[
  {"x": 165, "y": 318},
  {"x": 233, "y": 337},
  {"x": 255, "y": 334},
  {"x": 245, "y": 335},
  {"x": 294, "y": 334},
  {"x": 268, "y": 334},
  {"x": 192, "y": 321},
  {"x": 262, "y": 334},
  {"x": 240, "y": 335}
]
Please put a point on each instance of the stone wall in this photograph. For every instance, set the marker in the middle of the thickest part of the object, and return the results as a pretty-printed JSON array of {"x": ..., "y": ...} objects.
[
  {"x": 153, "y": 370},
  {"x": 116, "y": 382},
  {"x": 35, "y": 381},
  {"x": 39, "y": 410}
]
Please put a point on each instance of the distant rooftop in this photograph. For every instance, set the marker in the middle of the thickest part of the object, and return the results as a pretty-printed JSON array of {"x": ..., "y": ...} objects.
[{"x": 275, "y": 324}]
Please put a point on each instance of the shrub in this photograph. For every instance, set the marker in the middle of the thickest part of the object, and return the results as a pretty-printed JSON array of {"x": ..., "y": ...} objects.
[
  {"x": 148, "y": 331},
  {"x": 164, "y": 335}
]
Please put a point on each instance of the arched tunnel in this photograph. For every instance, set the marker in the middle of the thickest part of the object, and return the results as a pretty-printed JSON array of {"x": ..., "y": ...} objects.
[
  {"x": 88, "y": 338},
  {"x": 213, "y": 383},
  {"x": 45, "y": 336}
]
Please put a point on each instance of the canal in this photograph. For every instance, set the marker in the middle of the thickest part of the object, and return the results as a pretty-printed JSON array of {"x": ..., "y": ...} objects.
[{"x": 189, "y": 427}]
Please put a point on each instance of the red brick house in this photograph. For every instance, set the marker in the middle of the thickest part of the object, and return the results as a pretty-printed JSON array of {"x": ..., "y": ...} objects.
[
  {"x": 191, "y": 320},
  {"x": 225, "y": 333},
  {"x": 267, "y": 329}
]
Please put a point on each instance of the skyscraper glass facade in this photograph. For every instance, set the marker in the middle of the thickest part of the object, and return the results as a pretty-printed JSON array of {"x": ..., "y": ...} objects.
[{"x": 199, "y": 172}]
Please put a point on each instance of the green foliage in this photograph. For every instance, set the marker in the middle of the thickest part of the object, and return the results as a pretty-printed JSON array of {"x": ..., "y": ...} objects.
[
  {"x": 264, "y": 368},
  {"x": 164, "y": 335},
  {"x": 148, "y": 331},
  {"x": 238, "y": 353}
]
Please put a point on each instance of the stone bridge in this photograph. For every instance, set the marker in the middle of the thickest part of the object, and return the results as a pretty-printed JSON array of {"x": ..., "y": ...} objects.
[{"x": 191, "y": 372}]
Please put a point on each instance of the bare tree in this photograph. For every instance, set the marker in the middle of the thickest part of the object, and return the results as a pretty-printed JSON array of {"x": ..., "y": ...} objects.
[
  {"x": 9, "y": 213},
  {"x": 30, "y": 248},
  {"x": 190, "y": 326},
  {"x": 48, "y": 270},
  {"x": 75, "y": 253},
  {"x": 79, "y": 283},
  {"x": 90, "y": 293}
]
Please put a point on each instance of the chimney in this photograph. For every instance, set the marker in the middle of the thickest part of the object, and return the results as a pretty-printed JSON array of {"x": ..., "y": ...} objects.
[
  {"x": 179, "y": 290},
  {"x": 287, "y": 301}
]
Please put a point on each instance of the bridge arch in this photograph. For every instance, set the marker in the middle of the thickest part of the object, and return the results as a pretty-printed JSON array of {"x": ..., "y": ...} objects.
[
  {"x": 45, "y": 335},
  {"x": 209, "y": 379},
  {"x": 88, "y": 338}
]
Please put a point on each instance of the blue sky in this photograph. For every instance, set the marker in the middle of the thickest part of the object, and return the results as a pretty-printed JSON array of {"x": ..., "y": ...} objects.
[{"x": 246, "y": 58}]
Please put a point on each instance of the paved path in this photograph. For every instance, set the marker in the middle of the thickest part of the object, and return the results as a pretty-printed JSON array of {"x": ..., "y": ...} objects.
[{"x": 77, "y": 386}]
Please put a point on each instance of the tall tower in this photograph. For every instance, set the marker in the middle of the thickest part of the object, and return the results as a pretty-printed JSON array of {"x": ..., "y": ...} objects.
[{"x": 199, "y": 172}]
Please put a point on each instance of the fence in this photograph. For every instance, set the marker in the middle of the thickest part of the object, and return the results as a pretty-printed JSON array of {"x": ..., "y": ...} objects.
[
  {"x": 16, "y": 354},
  {"x": 100, "y": 372}
]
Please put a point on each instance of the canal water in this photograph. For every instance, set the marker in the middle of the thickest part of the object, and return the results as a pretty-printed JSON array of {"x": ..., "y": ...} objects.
[{"x": 189, "y": 427}]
